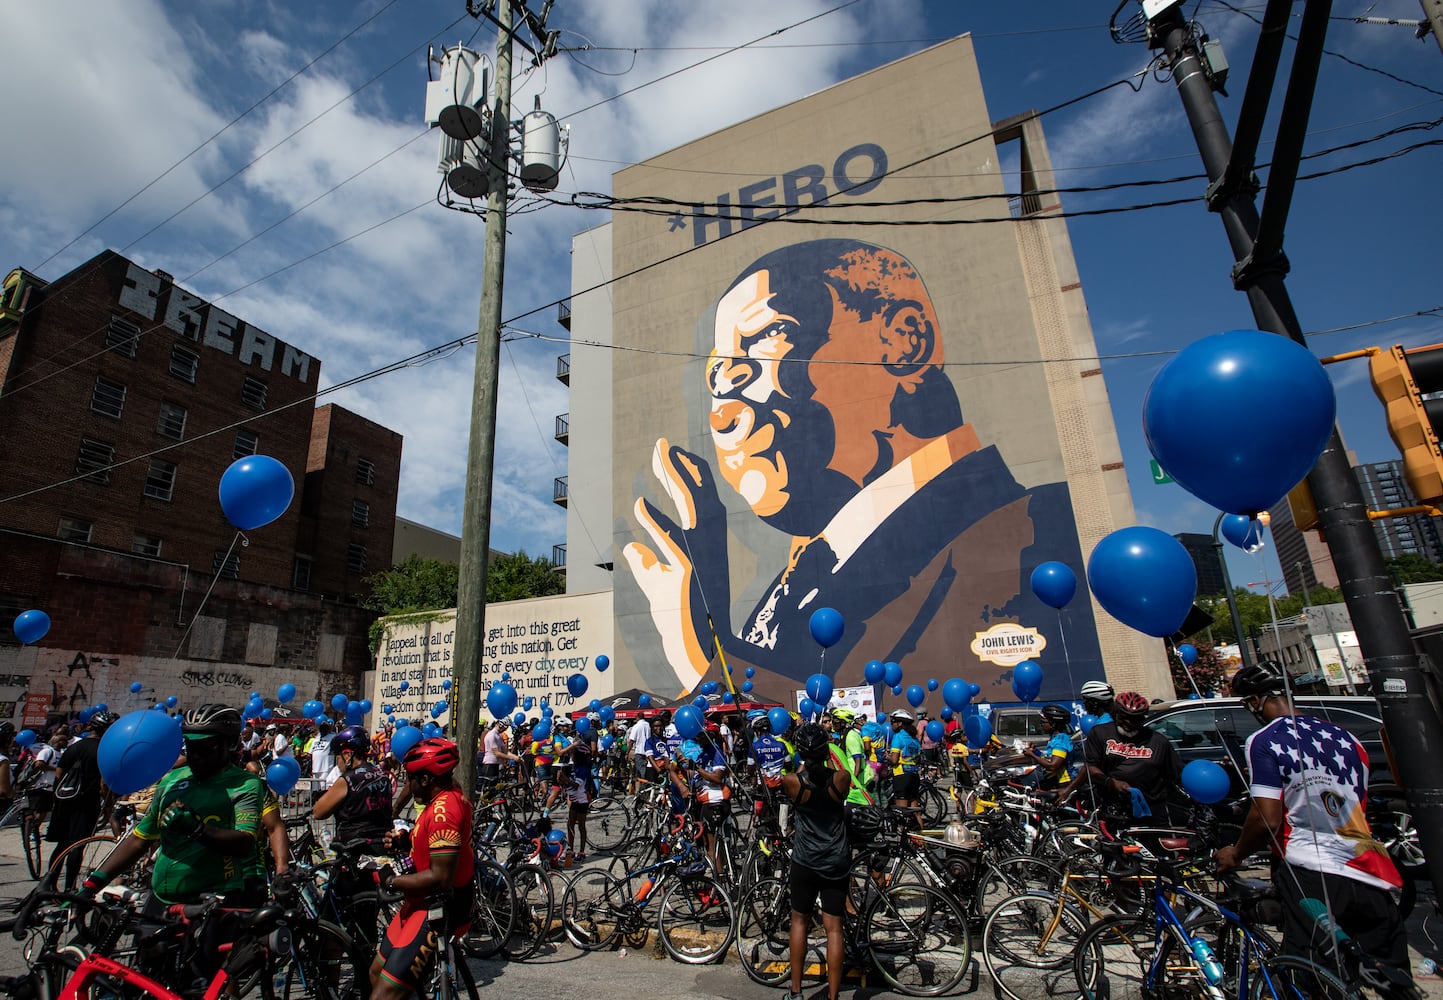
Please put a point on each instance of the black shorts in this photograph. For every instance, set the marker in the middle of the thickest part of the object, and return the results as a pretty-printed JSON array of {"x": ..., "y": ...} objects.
[
  {"x": 489, "y": 773},
  {"x": 40, "y": 800},
  {"x": 1365, "y": 913},
  {"x": 711, "y": 815},
  {"x": 409, "y": 945},
  {"x": 577, "y": 811},
  {"x": 907, "y": 785},
  {"x": 808, "y": 887}
]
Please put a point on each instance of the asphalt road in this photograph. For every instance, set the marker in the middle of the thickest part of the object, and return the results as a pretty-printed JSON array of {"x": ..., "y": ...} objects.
[{"x": 561, "y": 972}]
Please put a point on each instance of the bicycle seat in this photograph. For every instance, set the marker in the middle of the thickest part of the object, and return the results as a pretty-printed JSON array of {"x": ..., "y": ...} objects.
[{"x": 264, "y": 918}]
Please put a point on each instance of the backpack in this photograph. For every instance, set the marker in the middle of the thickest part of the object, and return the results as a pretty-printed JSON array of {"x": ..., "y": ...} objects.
[{"x": 70, "y": 784}]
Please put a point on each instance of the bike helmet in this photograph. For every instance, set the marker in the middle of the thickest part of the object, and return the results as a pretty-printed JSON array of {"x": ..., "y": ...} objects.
[
  {"x": 756, "y": 714},
  {"x": 433, "y": 756},
  {"x": 7, "y": 733},
  {"x": 1097, "y": 690},
  {"x": 761, "y": 724},
  {"x": 1056, "y": 714},
  {"x": 101, "y": 721},
  {"x": 1259, "y": 679},
  {"x": 901, "y": 714},
  {"x": 844, "y": 715},
  {"x": 211, "y": 720},
  {"x": 713, "y": 729},
  {"x": 1132, "y": 705},
  {"x": 811, "y": 740},
  {"x": 352, "y": 738},
  {"x": 593, "y": 717}
]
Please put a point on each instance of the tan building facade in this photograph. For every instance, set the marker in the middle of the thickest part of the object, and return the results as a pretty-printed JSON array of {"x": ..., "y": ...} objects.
[{"x": 855, "y": 376}]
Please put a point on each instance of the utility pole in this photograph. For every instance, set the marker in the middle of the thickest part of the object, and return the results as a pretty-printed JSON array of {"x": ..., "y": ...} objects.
[
  {"x": 1433, "y": 11},
  {"x": 481, "y": 450},
  {"x": 1398, "y": 680}
]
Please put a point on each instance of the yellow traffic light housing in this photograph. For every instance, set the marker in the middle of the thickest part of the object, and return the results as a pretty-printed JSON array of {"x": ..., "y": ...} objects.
[{"x": 1401, "y": 379}]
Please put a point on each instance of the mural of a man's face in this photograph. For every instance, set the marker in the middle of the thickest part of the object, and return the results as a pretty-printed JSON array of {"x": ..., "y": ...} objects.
[{"x": 796, "y": 432}]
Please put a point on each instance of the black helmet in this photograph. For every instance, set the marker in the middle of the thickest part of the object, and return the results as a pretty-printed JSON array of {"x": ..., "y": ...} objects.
[
  {"x": 212, "y": 720},
  {"x": 101, "y": 721},
  {"x": 7, "y": 732},
  {"x": 1260, "y": 678},
  {"x": 810, "y": 740},
  {"x": 352, "y": 738},
  {"x": 1056, "y": 714}
]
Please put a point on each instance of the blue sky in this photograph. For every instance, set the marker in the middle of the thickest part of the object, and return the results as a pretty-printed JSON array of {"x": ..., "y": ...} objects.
[{"x": 116, "y": 94}]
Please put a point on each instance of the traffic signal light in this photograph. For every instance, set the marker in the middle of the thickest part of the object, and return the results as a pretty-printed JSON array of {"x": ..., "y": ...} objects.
[{"x": 1402, "y": 379}]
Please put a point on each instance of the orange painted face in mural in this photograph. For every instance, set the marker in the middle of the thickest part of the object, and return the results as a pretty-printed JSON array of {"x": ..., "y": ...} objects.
[{"x": 803, "y": 393}]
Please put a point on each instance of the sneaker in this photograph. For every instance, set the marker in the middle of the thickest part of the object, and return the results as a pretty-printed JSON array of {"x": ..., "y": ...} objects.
[
  {"x": 793, "y": 996},
  {"x": 581, "y": 856}
]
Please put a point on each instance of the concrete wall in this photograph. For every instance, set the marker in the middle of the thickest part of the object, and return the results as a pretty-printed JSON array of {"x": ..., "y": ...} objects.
[{"x": 588, "y": 455}]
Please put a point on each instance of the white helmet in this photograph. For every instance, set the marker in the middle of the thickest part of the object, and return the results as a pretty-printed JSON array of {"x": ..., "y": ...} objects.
[
  {"x": 901, "y": 713},
  {"x": 1099, "y": 690}
]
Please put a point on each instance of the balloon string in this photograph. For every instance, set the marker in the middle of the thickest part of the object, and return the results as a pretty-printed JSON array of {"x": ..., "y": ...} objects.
[
  {"x": 1066, "y": 657},
  {"x": 219, "y": 569}
]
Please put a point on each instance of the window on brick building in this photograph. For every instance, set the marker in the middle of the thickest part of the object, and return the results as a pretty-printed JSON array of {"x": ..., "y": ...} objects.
[
  {"x": 184, "y": 363},
  {"x": 225, "y": 565},
  {"x": 253, "y": 393},
  {"x": 10, "y": 608},
  {"x": 355, "y": 559},
  {"x": 360, "y": 513},
  {"x": 121, "y": 337},
  {"x": 171, "y": 422},
  {"x": 94, "y": 459},
  {"x": 108, "y": 397},
  {"x": 146, "y": 545},
  {"x": 160, "y": 480},
  {"x": 74, "y": 529},
  {"x": 246, "y": 443},
  {"x": 365, "y": 471},
  {"x": 301, "y": 573}
]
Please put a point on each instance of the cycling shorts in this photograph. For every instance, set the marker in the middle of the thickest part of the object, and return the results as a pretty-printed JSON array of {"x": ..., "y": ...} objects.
[{"x": 409, "y": 946}]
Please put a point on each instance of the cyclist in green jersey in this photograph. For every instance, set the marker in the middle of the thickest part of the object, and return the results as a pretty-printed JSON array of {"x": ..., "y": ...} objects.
[
  {"x": 204, "y": 822},
  {"x": 851, "y": 756}
]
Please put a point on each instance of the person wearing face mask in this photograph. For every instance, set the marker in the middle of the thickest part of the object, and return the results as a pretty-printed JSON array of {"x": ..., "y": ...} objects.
[{"x": 1133, "y": 768}]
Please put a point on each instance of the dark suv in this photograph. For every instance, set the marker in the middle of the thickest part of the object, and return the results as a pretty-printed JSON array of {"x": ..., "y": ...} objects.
[{"x": 1217, "y": 729}]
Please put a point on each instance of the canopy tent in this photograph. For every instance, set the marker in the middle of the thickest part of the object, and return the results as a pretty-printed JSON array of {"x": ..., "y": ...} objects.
[{"x": 627, "y": 704}]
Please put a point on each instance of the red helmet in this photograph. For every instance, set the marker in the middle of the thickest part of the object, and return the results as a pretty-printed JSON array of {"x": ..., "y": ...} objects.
[
  {"x": 433, "y": 756},
  {"x": 713, "y": 728},
  {"x": 1131, "y": 704}
]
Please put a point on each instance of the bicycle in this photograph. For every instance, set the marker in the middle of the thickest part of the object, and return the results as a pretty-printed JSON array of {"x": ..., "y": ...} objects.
[
  {"x": 693, "y": 910},
  {"x": 31, "y": 836},
  {"x": 915, "y": 936}
]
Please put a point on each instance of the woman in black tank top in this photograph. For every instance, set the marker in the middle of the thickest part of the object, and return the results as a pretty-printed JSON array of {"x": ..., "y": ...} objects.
[
  {"x": 820, "y": 854},
  {"x": 361, "y": 800}
]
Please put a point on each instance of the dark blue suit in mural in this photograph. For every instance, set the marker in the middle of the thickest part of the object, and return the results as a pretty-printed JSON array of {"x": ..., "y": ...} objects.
[{"x": 832, "y": 416}]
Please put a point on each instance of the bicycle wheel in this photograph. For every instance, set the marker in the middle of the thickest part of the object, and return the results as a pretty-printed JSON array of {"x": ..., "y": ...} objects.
[
  {"x": 1027, "y": 945},
  {"x": 323, "y": 965},
  {"x": 592, "y": 908},
  {"x": 535, "y": 907},
  {"x": 934, "y": 806},
  {"x": 1287, "y": 978},
  {"x": 632, "y": 856},
  {"x": 1115, "y": 956},
  {"x": 453, "y": 977},
  {"x": 30, "y": 836},
  {"x": 918, "y": 940},
  {"x": 695, "y": 920},
  {"x": 494, "y": 913},
  {"x": 607, "y": 823},
  {"x": 77, "y": 861},
  {"x": 1012, "y": 876},
  {"x": 764, "y": 921},
  {"x": 876, "y": 871}
]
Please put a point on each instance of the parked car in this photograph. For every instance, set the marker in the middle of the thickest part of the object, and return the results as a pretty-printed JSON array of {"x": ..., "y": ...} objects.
[
  {"x": 1013, "y": 724},
  {"x": 1217, "y": 729}
]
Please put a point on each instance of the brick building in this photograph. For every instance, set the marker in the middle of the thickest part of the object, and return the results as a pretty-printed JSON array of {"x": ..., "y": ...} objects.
[{"x": 124, "y": 398}]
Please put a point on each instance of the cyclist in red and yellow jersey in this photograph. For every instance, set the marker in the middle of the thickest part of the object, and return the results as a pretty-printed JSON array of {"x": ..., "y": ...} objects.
[{"x": 442, "y": 868}]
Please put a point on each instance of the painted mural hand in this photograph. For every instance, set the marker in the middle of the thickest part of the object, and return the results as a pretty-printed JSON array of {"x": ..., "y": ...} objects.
[{"x": 684, "y": 570}]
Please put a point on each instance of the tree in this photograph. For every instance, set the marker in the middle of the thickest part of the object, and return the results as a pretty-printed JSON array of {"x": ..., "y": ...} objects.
[
  {"x": 1209, "y": 672},
  {"x": 1414, "y": 568},
  {"x": 1254, "y": 611},
  {"x": 415, "y": 584},
  {"x": 517, "y": 576}
]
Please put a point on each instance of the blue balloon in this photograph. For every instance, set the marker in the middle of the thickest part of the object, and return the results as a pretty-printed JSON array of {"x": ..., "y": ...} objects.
[
  {"x": 751, "y": 672},
  {"x": 897, "y": 690},
  {"x": 430, "y": 731},
  {"x": 978, "y": 731},
  {"x": 1239, "y": 418},
  {"x": 170, "y": 702},
  {"x": 283, "y": 774},
  {"x": 935, "y": 731},
  {"x": 709, "y": 687},
  {"x": 892, "y": 674},
  {"x": 747, "y": 687},
  {"x": 607, "y": 714},
  {"x": 404, "y": 685},
  {"x": 1086, "y": 723},
  {"x": 915, "y": 695},
  {"x": 366, "y": 706},
  {"x": 136, "y": 687},
  {"x": 946, "y": 713},
  {"x": 541, "y": 732},
  {"x": 728, "y": 698},
  {"x": 602, "y": 662},
  {"x": 1187, "y": 652},
  {"x": 577, "y": 685},
  {"x": 956, "y": 694},
  {"x": 932, "y": 684},
  {"x": 138, "y": 750},
  {"x": 644, "y": 701},
  {"x": 285, "y": 693},
  {"x": 439, "y": 709},
  {"x": 1144, "y": 578},
  {"x": 780, "y": 719},
  {"x": 312, "y": 709},
  {"x": 103, "y": 707},
  {"x": 1026, "y": 680},
  {"x": 86, "y": 714},
  {"x": 518, "y": 719},
  {"x": 446, "y": 685},
  {"x": 31, "y": 626},
  {"x": 1193, "y": 696},
  {"x": 807, "y": 709},
  {"x": 583, "y": 726},
  {"x": 501, "y": 700},
  {"x": 700, "y": 701},
  {"x": 403, "y": 739},
  {"x": 528, "y": 703},
  {"x": 27, "y": 737},
  {"x": 355, "y": 714},
  {"x": 819, "y": 689},
  {"x": 688, "y": 721},
  {"x": 606, "y": 742},
  {"x": 158, "y": 707},
  {"x": 595, "y": 705},
  {"x": 1206, "y": 782},
  {"x": 973, "y": 690},
  {"x": 339, "y": 702},
  {"x": 1054, "y": 583},
  {"x": 547, "y": 711},
  {"x": 1243, "y": 531},
  {"x": 255, "y": 490},
  {"x": 874, "y": 672},
  {"x": 827, "y": 626}
]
